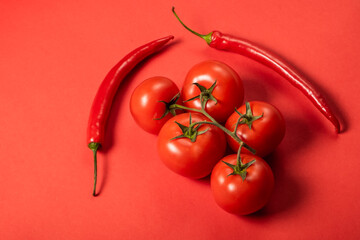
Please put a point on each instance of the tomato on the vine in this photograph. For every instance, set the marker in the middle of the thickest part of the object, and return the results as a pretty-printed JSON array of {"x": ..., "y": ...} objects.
[
  {"x": 218, "y": 84},
  {"x": 262, "y": 127},
  {"x": 244, "y": 190},
  {"x": 190, "y": 149},
  {"x": 149, "y": 102}
]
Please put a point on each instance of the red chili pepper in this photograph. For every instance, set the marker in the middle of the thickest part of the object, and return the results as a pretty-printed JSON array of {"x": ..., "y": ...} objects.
[
  {"x": 104, "y": 97},
  {"x": 230, "y": 43}
]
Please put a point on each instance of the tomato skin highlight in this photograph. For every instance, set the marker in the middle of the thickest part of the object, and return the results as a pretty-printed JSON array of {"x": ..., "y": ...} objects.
[
  {"x": 266, "y": 132},
  {"x": 190, "y": 159},
  {"x": 145, "y": 106},
  {"x": 229, "y": 90},
  {"x": 240, "y": 197}
]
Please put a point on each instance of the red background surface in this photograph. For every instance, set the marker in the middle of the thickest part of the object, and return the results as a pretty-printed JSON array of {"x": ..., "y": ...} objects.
[{"x": 53, "y": 56}]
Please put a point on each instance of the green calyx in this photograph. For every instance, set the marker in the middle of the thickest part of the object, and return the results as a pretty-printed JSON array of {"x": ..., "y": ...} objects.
[
  {"x": 168, "y": 108},
  {"x": 94, "y": 146},
  {"x": 205, "y": 94},
  {"x": 248, "y": 118},
  {"x": 239, "y": 168},
  {"x": 191, "y": 132}
]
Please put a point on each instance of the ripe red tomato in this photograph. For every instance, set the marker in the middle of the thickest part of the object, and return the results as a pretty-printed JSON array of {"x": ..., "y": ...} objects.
[
  {"x": 229, "y": 90},
  {"x": 265, "y": 134},
  {"x": 190, "y": 159},
  {"x": 145, "y": 106},
  {"x": 242, "y": 197}
]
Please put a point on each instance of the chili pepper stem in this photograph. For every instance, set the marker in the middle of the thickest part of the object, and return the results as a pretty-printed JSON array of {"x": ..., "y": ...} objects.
[
  {"x": 206, "y": 37},
  {"x": 214, "y": 122},
  {"x": 94, "y": 147},
  {"x": 95, "y": 172}
]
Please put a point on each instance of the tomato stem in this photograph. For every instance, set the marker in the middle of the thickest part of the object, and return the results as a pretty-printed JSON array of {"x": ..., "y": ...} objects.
[
  {"x": 214, "y": 122},
  {"x": 238, "y": 158},
  {"x": 167, "y": 106},
  {"x": 191, "y": 132},
  {"x": 239, "y": 168},
  {"x": 248, "y": 118}
]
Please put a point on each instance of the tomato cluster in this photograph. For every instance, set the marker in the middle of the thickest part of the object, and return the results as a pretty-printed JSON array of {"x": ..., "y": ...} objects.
[{"x": 196, "y": 124}]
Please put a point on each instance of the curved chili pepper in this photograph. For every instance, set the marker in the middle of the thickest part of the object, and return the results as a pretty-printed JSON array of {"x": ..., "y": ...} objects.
[
  {"x": 104, "y": 97},
  {"x": 221, "y": 41}
]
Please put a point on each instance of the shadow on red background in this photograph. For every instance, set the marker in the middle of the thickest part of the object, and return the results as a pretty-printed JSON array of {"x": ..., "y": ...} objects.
[{"x": 289, "y": 190}]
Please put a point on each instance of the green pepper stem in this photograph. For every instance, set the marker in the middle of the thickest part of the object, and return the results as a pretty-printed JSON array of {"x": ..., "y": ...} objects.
[
  {"x": 95, "y": 172},
  {"x": 94, "y": 147},
  {"x": 206, "y": 37},
  {"x": 214, "y": 122}
]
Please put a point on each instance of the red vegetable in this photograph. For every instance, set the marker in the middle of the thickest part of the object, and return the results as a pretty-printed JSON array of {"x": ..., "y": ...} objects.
[
  {"x": 190, "y": 149},
  {"x": 150, "y": 101},
  {"x": 230, "y": 43},
  {"x": 261, "y": 126},
  {"x": 220, "y": 85},
  {"x": 242, "y": 186},
  {"x": 102, "y": 102}
]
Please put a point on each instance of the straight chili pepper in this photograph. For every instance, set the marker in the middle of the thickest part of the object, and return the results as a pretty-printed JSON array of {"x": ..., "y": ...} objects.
[
  {"x": 221, "y": 41},
  {"x": 104, "y": 97}
]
